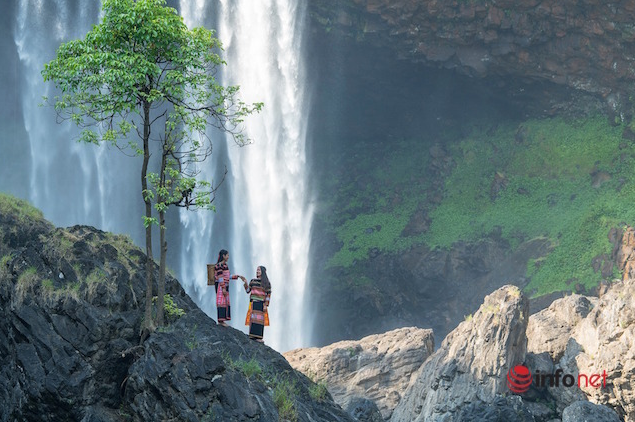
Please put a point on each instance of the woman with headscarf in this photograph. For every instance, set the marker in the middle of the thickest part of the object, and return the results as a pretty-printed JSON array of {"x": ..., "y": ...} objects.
[
  {"x": 259, "y": 290},
  {"x": 221, "y": 284}
]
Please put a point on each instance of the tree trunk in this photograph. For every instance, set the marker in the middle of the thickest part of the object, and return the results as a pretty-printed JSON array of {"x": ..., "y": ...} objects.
[
  {"x": 161, "y": 285},
  {"x": 148, "y": 205},
  {"x": 163, "y": 243}
]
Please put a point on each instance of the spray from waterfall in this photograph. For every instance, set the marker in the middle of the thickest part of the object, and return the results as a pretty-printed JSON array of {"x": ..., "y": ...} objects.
[
  {"x": 271, "y": 214},
  {"x": 70, "y": 182}
]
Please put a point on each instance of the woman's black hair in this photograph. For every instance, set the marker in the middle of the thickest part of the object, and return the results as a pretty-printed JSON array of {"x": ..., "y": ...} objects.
[
  {"x": 263, "y": 277},
  {"x": 221, "y": 254}
]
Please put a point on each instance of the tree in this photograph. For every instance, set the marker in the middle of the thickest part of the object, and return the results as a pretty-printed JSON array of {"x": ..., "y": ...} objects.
[{"x": 140, "y": 68}]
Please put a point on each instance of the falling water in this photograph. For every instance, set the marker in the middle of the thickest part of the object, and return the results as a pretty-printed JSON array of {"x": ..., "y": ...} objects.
[
  {"x": 71, "y": 183},
  {"x": 264, "y": 213},
  {"x": 271, "y": 211}
]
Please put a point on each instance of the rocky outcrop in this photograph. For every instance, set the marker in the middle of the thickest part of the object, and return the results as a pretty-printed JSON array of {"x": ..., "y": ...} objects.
[
  {"x": 71, "y": 308},
  {"x": 471, "y": 365},
  {"x": 591, "y": 336},
  {"x": 377, "y": 367},
  {"x": 587, "y": 46},
  {"x": 550, "y": 330},
  {"x": 606, "y": 339},
  {"x": 624, "y": 251}
]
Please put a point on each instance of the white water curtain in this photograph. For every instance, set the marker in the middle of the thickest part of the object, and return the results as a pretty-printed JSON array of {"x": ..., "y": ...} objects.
[
  {"x": 271, "y": 213},
  {"x": 70, "y": 182}
]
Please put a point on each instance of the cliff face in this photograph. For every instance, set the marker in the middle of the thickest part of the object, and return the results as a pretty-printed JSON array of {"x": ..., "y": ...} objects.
[
  {"x": 587, "y": 46},
  {"x": 71, "y": 308}
]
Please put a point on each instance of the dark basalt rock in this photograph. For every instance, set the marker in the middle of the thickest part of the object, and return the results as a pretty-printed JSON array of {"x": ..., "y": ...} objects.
[{"x": 71, "y": 309}]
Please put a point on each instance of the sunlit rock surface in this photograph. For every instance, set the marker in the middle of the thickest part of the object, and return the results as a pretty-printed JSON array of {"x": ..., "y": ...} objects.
[
  {"x": 377, "y": 367},
  {"x": 471, "y": 364}
]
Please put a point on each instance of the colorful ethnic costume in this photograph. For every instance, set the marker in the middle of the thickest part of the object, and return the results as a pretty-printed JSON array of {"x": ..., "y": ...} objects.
[
  {"x": 221, "y": 284},
  {"x": 257, "y": 316}
]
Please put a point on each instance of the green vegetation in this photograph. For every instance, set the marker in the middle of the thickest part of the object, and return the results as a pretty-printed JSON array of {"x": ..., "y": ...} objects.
[
  {"x": 25, "y": 212},
  {"x": 48, "y": 285},
  {"x": 4, "y": 265},
  {"x": 375, "y": 204},
  {"x": 96, "y": 276},
  {"x": 28, "y": 277},
  {"x": 568, "y": 181},
  {"x": 284, "y": 393},
  {"x": 250, "y": 368},
  {"x": 285, "y": 389},
  {"x": 171, "y": 310},
  {"x": 318, "y": 391}
]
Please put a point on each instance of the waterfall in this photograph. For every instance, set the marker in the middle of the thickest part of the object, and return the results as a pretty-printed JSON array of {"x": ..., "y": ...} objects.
[
  {"x": 264, "y": 211},
  {"x": 71, "y": 183},
  {"x": 271, "y": 212}
]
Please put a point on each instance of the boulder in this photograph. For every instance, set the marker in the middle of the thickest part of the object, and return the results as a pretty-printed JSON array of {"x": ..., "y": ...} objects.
[
  {"x": 586, "y": 411},
  {"x": 550, "y": 329},
  {"x": 605, "y": 343},
  {"x": 377, "y": 367}
]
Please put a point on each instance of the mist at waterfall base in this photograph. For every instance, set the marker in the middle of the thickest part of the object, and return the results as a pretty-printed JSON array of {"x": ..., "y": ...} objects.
[{"x": 263, "y": 214}]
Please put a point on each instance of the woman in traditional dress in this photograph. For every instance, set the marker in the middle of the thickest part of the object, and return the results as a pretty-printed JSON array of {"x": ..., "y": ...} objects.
[
  {"x": 221, "y": 284},
  {"x": 259, "y": 290}
]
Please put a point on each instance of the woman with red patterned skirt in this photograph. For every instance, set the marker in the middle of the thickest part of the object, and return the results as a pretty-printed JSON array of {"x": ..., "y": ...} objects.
[
  {"x": 259, "y": 290},
  {"x": 221, "y": 284}
]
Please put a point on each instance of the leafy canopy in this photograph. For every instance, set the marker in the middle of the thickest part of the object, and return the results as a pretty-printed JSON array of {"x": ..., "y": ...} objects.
[
  {"x": 142, "y": 54},
  {"x": 139, "y": 66}
]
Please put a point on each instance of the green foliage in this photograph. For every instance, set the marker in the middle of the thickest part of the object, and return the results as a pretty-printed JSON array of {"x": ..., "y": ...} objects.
[
  {"x": 565, "y": 181},
  {"x": 97, "y": 276},
  {"x": 550, "y": 192},
  {"x": 250, "y": 368},
  {"x": 192, "y": 343},
  {"x": 142, "y": 70},
  {"x": 375, "y": 201},
  {"x": 284, "y": 393},
  {"x": 24, "y": 212},
  {"x": 171, "y": 310},
  {"x": 28, "y": 277},
  {"x": 318, "y": 391},
  {"x": 4, "y": 265},
  {"x": 141, "y": 57}
]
